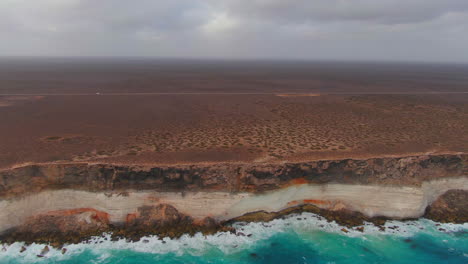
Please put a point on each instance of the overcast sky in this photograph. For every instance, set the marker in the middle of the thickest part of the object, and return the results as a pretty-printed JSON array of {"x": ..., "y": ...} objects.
[{"x": 408, "y": 30}]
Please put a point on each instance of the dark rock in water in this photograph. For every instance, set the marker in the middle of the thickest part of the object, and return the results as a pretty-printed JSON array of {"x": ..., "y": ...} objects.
[
  {"x": 240, "y": 234},
  {"x": 23, "y": 249},
  {"x": 145, "y": 241},
  {"x": 451, "y": 207},
  {"x": 64, "y": 250},
  {"x": 253, "y": 255},
  {"x": 344, "y": 230},
  {"x": 408, "y": 240},
  {"x": 360, "y": 228},
  {"x": 442, "y": 229},
  {"x": 44, "y": 252}
]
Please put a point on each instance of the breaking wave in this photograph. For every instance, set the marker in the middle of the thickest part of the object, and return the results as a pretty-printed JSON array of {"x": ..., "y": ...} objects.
[{"x": 302, "y": 238}]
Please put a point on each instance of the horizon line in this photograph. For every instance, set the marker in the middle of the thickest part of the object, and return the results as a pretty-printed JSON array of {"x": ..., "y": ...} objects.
[{"x": 230, "y": 59}]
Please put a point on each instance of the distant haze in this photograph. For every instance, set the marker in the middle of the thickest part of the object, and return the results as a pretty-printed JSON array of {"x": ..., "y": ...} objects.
[{"x": 387, "y": 30}]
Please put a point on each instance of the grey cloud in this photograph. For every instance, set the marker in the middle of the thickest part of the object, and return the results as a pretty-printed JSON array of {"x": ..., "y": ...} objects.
[
  {"x": 307, "y": 29},
  {"x": 128, "y": 15},
  {"x": 106, "y": 14},
  {"x": 379, "y": 11}
]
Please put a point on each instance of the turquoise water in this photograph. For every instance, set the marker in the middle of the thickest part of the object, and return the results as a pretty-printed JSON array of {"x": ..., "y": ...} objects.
[{"x": 305, "y": 238}]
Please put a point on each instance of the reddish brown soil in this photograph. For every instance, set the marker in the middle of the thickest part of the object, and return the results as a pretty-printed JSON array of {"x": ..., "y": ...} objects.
[
  {"x": 214, "y": 124},
  {"x": 219, "y": 128}
]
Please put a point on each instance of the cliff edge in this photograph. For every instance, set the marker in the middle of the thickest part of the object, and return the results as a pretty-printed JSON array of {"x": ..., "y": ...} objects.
[{"x": 69, "y": 202}]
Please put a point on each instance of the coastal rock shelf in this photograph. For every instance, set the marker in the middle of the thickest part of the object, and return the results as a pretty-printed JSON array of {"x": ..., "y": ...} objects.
[{"x": 48, "y": 202}]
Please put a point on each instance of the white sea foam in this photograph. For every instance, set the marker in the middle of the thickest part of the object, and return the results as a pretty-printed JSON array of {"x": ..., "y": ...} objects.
[{"x": 248, "y": 235}]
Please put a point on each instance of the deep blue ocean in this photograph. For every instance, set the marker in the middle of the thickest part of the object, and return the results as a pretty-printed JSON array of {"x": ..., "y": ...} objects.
[{"x": 305, "y": 238}]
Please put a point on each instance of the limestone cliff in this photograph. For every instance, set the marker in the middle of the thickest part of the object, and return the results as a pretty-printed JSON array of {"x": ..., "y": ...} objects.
[
  {"x": 68, "y": 202},
  {"x": 410, "y": 171}
]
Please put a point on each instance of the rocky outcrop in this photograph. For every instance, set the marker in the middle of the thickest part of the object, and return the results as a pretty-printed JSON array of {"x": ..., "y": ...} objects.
[
  {"x": 74, "y": 226},
  {"x": 451, "y": 207},
  {"x": 164, "y": 220},
  {"x": 75, "y": 220},
  {"x": 60, "y": 226},
  {"x": 343, "y": 217},
  {"x": 160, "y": 215},
  {"x": 229, "y": 177}
]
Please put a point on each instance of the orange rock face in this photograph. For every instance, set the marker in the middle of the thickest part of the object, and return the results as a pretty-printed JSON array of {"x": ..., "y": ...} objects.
[
  {"x": 312, "y": 201},
  {"x": 75, "y": 220},
  {"x": 299, "y": 181},
  {"x": 130, "y": 219}
]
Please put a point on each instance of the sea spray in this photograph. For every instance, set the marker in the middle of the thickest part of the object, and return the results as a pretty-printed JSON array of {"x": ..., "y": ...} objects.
[{"x": 302, "y": 238}]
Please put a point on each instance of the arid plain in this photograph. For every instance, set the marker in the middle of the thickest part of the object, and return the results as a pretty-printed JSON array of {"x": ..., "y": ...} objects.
[{"x": 189, "y": 112}]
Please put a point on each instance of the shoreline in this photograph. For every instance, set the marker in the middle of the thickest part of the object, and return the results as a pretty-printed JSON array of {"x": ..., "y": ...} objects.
[
  {"x": 136, "y": 214},
  {"x": 246, "y": 235},
  {"x": 69, "y": 203}
]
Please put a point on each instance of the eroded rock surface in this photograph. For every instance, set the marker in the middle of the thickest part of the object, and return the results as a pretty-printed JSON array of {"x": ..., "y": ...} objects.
[
  {"x": 60, "y": 226},
  {"x": 342, "y": 216},
  {"x": 449, "y": 207},
  {"x": 230, "y": 177},
  {"x": 160, "y": 215},
  {"x": 79, "y": 220}
]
